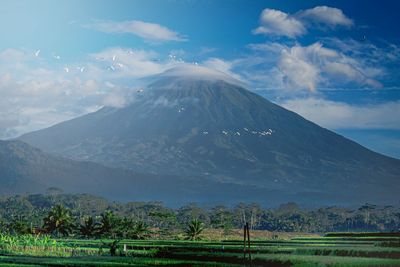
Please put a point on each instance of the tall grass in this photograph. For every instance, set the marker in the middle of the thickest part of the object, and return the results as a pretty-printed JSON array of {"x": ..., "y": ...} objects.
[{"x": 38, "y": 245}]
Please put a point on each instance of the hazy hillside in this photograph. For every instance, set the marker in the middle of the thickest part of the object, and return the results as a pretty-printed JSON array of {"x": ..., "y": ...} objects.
[{"x": 24, "y": 169}]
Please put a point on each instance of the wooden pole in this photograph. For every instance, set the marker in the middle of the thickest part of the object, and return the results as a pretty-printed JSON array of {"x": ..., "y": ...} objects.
[
  {"x": 244, "y": 242},
  {"x": 248, "y": 241}
]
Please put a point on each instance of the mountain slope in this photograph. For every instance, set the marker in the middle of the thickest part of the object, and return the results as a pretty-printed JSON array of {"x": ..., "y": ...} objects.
[
  {"x": 197, "y": 126},
  {"x": 25, "y": 169}
]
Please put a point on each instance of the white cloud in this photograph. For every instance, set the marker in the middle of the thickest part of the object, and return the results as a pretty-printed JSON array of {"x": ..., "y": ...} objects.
[
  {"x": 129, "y": 62},
  {"x": 298, "y": 72},
  {"x": 276, "y": 22},
  {"x": 309, "y": 67},
  {"x": 326, "y": 15},
  {"x": 200, "y": 72},
  {"x": 151, "y": 32},
  {"x": 224, "y": 66},
  {"x": 279, "y": 23},
  {"x": 340, "y": 115},
  {"x": 37, "y": 92},
  {"x": 115, "y": 100}
]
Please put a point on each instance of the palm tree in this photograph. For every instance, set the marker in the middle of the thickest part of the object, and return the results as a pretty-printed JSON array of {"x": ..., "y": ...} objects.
[
  {"x": 58, "y": 221},
  {"x": 194, "y": 230},
  {"x": 88, "y": 228},
  {"x": 140, "y": 231},
  {"x": 108, "y": 223}
]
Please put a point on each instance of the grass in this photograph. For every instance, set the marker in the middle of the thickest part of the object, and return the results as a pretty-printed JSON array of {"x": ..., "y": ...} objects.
[{"x": 306, "y": 250}]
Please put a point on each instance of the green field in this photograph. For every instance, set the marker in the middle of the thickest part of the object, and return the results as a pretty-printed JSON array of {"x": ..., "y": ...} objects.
[{"x": 298, "y": 251}]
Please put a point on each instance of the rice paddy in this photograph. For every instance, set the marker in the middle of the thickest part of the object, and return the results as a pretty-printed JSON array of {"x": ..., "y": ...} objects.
[{"x": 337, "y": 250}]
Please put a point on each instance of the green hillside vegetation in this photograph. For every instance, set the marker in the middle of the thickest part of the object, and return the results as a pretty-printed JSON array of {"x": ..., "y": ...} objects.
[{"x": 84, "y": 214}]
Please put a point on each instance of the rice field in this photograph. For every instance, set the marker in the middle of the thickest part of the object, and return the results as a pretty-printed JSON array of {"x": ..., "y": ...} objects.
[{"x": 336, "y": 250}]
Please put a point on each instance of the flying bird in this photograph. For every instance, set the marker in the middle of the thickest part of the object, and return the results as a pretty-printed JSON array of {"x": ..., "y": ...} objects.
[
  {"x": 37, "y": 53},
  {"x": 66, "y": 69}
]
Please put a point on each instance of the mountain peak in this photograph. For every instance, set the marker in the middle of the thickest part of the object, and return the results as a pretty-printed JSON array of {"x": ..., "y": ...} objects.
[{"x": 197, "y": 73}]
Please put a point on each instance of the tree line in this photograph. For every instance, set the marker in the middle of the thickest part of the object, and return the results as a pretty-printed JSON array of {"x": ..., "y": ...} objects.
[{"x": 95, "y": 217}]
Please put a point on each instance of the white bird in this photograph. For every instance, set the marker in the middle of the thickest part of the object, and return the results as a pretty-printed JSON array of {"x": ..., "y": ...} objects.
[
  {"x": 57, "y": 57},
  {"x": 112, "y": 68},
  {"x": 139, "y": 91},
  {"x": 82, "y": 69},
  {"x": 225, "y": 132},
  {"x": 114, "y": 57},
  {"x": 237, "y": 133},
  {"x": 120, "y": 65},
  {"x": 37, "y": 53},
  {"x": 66, "y": 69},
  {"x": 246, "y": 129},
  {"x": 205, "y": 132}
]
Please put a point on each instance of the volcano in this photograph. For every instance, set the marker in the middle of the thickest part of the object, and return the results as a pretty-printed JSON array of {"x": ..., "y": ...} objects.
[{"x": 201, "y": 124}]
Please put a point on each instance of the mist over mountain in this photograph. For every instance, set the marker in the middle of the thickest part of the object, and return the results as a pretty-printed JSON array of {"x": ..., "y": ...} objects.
[{"x": 202, "y": 125}]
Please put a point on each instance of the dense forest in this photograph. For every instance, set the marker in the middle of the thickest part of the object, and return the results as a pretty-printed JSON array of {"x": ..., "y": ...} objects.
[{"x": 83, "y": 214}]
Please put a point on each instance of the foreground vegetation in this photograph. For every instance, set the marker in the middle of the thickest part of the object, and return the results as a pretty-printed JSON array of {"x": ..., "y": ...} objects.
[
  {"x": 300, "y": 251},
  {"x": 82, "y": 230}
]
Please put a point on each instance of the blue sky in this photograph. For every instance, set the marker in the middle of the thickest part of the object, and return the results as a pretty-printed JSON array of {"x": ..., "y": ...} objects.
[{"x": 334, "y": 62}]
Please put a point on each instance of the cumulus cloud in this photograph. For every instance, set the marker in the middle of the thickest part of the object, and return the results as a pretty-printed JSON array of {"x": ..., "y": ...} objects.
[
  {"x": 309, "y": 67},
  {"x": 298, "y": 72},
  {"x": 151, "y": 32},
  {"x": 340, "y": 115},
  {"x": 326, "y": 15},
  {"x": 278, "y": 23}
]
